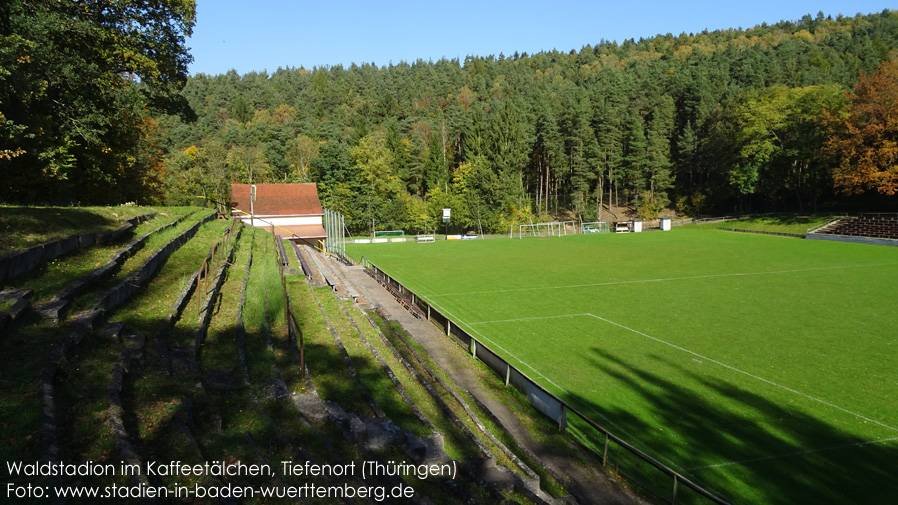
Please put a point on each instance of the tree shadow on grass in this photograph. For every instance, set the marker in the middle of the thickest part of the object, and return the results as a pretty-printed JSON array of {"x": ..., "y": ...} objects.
[
  {"x": 741, "y": 445},
  {"x": 23, "y": 227}
]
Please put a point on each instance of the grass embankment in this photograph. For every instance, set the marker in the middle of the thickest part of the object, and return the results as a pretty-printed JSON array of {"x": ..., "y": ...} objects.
[
  {"x": 793, "y": 224},
  {"x": 49, "y": 278},
  {"x": 27, "y": 345},
  {"x": 23, "y": 227}
]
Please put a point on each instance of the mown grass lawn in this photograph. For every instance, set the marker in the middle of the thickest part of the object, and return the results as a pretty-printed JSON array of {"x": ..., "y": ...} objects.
[{"x": 760, "y": 366}]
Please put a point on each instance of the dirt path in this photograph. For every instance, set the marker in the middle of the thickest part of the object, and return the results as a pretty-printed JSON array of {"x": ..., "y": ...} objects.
[{"x": 588, "y": 485}]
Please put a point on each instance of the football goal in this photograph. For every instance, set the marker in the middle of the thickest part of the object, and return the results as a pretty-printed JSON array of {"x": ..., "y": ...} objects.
[
  {"x": 389, "y": 236},
  {"x": 595, "y": 227},
  {"x": 553, "y": 229}
]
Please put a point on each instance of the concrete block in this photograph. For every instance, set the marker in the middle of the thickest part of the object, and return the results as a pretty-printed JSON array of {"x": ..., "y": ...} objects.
[
  {"x": 87, "y": 240},
  {"x": 311, "y": 407},
  {"x": 68, "y": 244},
  {"x": 4, "y": 268},
  {"x": 50, "y": 251},
  {"x": 114, "y": 330},
  {"x": 24, "y": 261},
  {"x": 53, "y": 311}
]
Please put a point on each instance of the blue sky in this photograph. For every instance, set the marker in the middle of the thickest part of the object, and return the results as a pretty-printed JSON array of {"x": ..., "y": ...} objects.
[{"x": 266, "y": 34}]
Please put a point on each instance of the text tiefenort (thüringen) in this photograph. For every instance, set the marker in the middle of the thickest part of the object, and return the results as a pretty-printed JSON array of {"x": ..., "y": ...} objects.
[{"x": 298, "y": 479}]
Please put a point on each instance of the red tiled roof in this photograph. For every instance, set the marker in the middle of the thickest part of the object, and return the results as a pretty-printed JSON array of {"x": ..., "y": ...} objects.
[{"x": 278, "y": 199}]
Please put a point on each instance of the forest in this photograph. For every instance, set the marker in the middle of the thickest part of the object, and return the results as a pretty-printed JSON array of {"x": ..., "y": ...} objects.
[{"x": 796, "y": 116}]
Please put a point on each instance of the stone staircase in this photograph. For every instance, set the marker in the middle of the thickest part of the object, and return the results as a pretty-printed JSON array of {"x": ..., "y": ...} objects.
[{"x": 866, "y": 228}]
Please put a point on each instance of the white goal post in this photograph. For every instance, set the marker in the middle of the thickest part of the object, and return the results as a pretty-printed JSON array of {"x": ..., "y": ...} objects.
[
  {"x": 595, "y": 227},
  {"x": 553, "y": 229}
]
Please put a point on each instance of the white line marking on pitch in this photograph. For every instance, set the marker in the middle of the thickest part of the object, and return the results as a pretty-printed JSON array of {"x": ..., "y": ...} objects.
[
  {"x": 508, "y": 353},
  {"x": 767, "y": 381},
  {"x": 527, "y": 319},
  {"x": 671, "y": 345},
  {"x": 633, "y": 437},
  {"x": 640, "y": 281},
  {"x": 796, "y": 453}
]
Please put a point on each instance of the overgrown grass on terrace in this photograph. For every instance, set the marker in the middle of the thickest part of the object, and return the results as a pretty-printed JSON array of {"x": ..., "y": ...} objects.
[
  {"x": 50, "y": 277},
  {"x": 23, "y": 227},
  {"x": 83, "y": 382},
  {"x": 28, "y": 345}
]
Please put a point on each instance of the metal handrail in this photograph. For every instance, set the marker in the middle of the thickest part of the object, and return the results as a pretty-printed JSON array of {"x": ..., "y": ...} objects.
[
  {"x": 678, "y": 478},
  {"x": 831, "y": 221}
]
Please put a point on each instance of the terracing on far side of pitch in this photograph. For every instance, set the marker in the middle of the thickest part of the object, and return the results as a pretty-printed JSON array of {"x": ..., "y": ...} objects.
[{"x": 879, "y": 229}]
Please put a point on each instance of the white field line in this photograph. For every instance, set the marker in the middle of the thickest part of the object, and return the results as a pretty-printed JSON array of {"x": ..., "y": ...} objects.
[
  {"x": 630, "y": 436},
  {"x": 734, "y": 369},
  {"x": 792, "y": 454},
  {"x": 527, "y": 319},
  {"x": 663, "y": 279},
  {"x": 727, "y": 463}
]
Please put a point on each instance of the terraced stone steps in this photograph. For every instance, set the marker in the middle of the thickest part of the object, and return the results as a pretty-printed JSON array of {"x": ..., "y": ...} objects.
[
  {"x": 22, "y": 262},
  {"x": 526, "y": 479},
  {"x": 486, "y": 471},
  {"x": 51, "y": 354},
  {"x": 146, "y": 386},
  {"x": 873, "y": 226},
  {"x": 55, "y": 308},
  {"x": 82, "y": 385}
]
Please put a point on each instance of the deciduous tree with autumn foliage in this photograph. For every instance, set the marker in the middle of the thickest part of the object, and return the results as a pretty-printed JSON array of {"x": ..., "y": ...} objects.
[{"x": 866, "y": 138}]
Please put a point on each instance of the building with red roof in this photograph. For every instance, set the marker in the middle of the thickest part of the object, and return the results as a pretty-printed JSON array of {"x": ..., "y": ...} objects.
[{"x": 292, "y": 209}]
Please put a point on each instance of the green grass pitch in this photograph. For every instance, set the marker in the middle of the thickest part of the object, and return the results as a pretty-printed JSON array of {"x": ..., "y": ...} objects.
[{"x": 762, "y": 367}]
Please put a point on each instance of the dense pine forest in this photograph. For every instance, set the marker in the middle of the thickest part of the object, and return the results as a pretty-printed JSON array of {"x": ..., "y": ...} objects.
[{"x": 797, "y": 116}]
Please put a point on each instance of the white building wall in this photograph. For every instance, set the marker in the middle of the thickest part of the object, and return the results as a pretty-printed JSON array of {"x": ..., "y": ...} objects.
[{"x": 285, "y": 221}]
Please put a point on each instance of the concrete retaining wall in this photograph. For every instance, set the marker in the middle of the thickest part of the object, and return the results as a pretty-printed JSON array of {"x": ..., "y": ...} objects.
[
  {"x": 123, "y": 290},
  {"x": 206, "y": 311},
  {"x": 856, "y": 240},
  {"x": 24, "y": 261}
]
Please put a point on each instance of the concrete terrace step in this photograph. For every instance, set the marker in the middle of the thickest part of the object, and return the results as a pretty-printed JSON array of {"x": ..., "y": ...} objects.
[
  {"x": 347, "y": 275},
  {"x": 326, "y": 274},
  {"x": 864, "y": 226},
  {"x": 335, "y": 267},
  {"x": 332, "y": 274}
]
